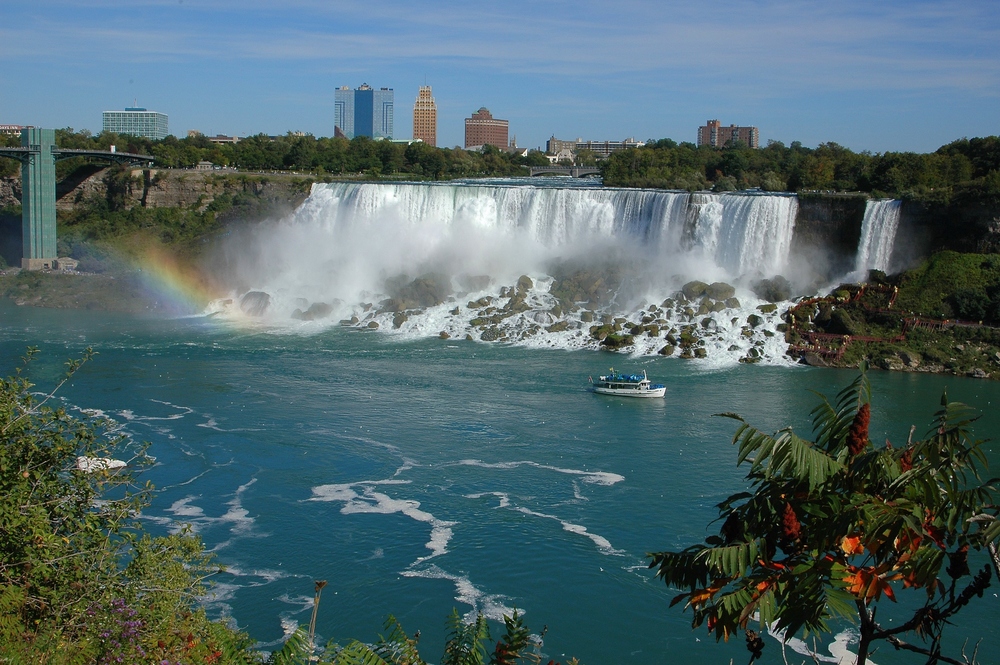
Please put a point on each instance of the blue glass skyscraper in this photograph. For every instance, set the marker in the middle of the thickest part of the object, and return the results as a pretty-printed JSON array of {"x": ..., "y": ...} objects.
[{"x": 364, "y": 112}]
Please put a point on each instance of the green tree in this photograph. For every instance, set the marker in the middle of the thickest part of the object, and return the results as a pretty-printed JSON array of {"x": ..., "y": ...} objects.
[
  {"x": 834, "y": 525},
  {"x": 79, "y": 580}
]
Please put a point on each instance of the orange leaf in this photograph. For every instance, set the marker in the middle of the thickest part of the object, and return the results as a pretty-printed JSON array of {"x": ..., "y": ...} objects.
[{"x": 852, "y": 545}]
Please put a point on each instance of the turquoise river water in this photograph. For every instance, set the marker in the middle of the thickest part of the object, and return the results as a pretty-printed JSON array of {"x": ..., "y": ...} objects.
[{"x": 417, "y": 476}]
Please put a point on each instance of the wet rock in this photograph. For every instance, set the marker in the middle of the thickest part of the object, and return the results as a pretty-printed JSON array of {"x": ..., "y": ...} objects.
[
  {"x": 317, "y": 310},
  {"x": 775, "y": 289},
  {"x": 482, "y": 302},
  {"x": 373, "y": 325},
  {"x": 455, "y": 312},
  {"x": 600, "y": 332},
  {"x": 694, "y": 289},
  {"x": 891, "y": 363},
  {"x": 468, "y": 337},
  {"x": 709, "y": 323},
  {"x": 700, "y": 353},
  {"x": 753, "y": 320},
  {"x": 720, "y": 291},
  {"x": 255, "y": 303},
  {"x": 732, "y": 303},
  {"x": 616, "y": 341},
  {"x": 444, "y": 335},
  {"x": 349, "y": 322},
  {"x": 524, "y": 283},
  {"x": 717, "y": 306},
  {"x": 977, "y": 373},
  {"x": 425, "y": 291},
  {"x": 769, "y": 308},
  {"x": 653, "y": 331},
  {"x": 399, "y": 319},
  {"x": 543, "y": 318},
  {"x": 703, "y": 309},
  {"x": 667, "y": 350},
  {"x": 558, "y": 327},
  {"x": 491, "y": 334},
  {"x": 910, "y": 359},
  {"x": 814, "y": 359}
]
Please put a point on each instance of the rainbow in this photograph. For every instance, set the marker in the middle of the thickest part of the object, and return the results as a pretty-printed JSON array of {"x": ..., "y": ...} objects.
[{"x": 175, "y": 285}]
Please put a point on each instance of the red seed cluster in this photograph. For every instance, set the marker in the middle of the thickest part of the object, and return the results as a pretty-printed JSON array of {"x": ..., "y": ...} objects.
[
  {"x": 790, "y": 525},
  {"x": 906, "y": 460},
  {"x": 857, "y": 436}
]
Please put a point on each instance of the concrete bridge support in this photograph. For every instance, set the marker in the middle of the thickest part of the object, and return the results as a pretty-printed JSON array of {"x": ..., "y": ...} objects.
[
  {"x": 38, "y": 199},
  {"x": 38, "y": 154}
]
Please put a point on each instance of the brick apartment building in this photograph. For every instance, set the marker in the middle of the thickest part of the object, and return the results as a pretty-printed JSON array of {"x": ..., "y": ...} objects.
[
  {"x": 483, "y": 129},
  {"x": 717, "y": 136}
]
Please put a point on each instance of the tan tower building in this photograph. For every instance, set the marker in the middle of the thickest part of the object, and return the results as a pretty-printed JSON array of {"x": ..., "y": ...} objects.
[
  {"x": 483, "y": 129},
  {"x": 425, "y": 117}
]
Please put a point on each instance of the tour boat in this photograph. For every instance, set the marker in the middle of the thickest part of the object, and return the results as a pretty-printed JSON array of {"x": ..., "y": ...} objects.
[{"x": 627, "y": 385}]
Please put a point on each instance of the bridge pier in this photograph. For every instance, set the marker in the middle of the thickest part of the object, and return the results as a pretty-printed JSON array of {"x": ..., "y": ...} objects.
[
  {"x": 38, "y": 199},
  {"x": 38, "y": 154}
]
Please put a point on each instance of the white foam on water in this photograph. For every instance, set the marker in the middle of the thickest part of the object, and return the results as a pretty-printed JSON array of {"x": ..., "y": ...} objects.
[
  {"x": 502, "y": 496},
  {"x": 371, "y": 502},
  {"x": 840, "y": 653},
  {"x": 594, "y": 477},
  {"x": 187, "y": 515},
  {"x": 130, "y": 415},
  {"x": 602, "y": 543},
  {"x": 492, "y": 606}
]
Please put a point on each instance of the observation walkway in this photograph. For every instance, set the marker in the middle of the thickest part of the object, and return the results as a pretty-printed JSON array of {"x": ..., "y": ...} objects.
[
  {"x": 574, "y": 171},
  {"x": 38, "y": 155}
]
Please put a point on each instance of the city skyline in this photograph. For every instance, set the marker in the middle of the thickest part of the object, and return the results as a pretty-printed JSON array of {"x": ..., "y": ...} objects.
[{"x": 893, "y": 76}]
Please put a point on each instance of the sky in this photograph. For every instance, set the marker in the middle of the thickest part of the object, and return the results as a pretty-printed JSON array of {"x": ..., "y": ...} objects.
[{"x": 885, "y": 75}]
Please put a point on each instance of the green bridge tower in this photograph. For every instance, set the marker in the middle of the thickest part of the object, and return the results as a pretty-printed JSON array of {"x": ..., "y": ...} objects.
[
  {"x": 38, "y": 199},
  {"x": 38, "y": 154}
]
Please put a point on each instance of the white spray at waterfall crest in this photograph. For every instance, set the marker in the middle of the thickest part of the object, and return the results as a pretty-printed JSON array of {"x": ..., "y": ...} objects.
[
  {"x": 348, "y": 236},
  {"x": 878, "y": 235}
]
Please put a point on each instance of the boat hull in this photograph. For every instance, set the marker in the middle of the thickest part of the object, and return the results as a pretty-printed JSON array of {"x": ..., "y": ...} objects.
[{"x": 625, "y": 392}]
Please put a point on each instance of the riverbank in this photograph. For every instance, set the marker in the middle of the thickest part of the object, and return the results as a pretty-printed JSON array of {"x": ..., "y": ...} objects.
[{"x": 942, "y": 317}]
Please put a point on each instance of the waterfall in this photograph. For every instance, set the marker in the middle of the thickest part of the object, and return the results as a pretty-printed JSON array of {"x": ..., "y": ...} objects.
[
  {"x": 472, "y": 227},
  {"x": 443, "y": 259},
  {"x": 878, "y": 234}
]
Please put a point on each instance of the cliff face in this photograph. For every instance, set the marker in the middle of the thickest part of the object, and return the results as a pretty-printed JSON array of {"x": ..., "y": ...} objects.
[
  {"x": 158, "y": 188},
  {"x": 827, "y": 231}
]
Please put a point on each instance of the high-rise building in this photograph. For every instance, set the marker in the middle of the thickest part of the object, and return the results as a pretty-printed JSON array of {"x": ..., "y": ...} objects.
[
  {"x": 425, "y": 117},
  {"x": 715, "y": 135},
  {"x": 483, "y": 129},
  {"x": 137, "y": 121},
  {"x": 364, "y": 112}
]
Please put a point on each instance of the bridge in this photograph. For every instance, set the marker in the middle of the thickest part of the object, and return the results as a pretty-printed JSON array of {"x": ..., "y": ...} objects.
[
  {"x": 574, "y": 171},
  {"x": 38, "y": 155}
]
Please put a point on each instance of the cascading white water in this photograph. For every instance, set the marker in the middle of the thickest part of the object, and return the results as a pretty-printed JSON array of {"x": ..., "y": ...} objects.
[
  {"x": 726, "y": 236},
  {"x": 878, "y": 235},
  {"x": 346, "y": 245}
]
